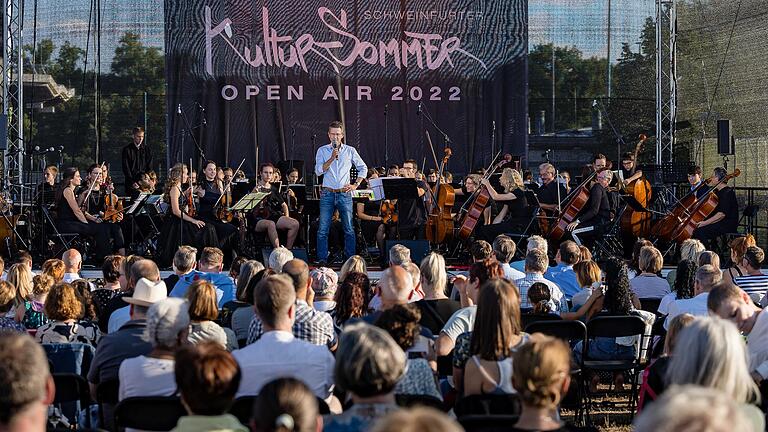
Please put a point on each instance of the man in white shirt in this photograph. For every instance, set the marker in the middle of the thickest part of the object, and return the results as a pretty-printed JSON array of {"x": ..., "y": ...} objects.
[
  {"x": 504, "y": 248},
  {"x": 73, "y": 262},
  {"x": 707, "y": 277},
  {"x": 534, "y": 242},
  {"x": 278, "y": 353},
  {"x": 536, "y": 263}
]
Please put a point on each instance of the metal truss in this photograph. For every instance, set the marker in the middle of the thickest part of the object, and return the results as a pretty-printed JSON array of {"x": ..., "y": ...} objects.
[
  {"x": 666, "y": 79},
  {"x": 13, "y": 100}
]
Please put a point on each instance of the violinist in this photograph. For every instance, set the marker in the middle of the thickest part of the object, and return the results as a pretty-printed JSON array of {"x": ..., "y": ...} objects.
[
  {"x": 71, "y": 218},
  {"x": 292, "y": 176},
  {"x": 725, "y": 217},
  {"x": 471, "y": 183},
  {"x": 94, "y": 204},
  {"x": 412, "y": 213},
  {"x": 513, "y": 215},
  {"x": 694, "y": 179},
  {"x": 372, "y": 223},
  {"x": 179, "y": 227},
  {"x": 273, "y": 213},
  {"x": 209, "y": 192},
  {"x": 393, "y": 171},
  {"x": 597, "y": 211}
]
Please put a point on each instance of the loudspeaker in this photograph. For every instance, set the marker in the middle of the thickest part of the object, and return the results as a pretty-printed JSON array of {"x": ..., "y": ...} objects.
[
  {"x": 4, "y": 132},
  {"x": 298, "y": 253},
  {"x": 725, "y": 141},
  {"x": 419, "y": 248}
]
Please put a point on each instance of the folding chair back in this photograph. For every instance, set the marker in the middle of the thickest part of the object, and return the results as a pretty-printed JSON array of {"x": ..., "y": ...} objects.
[
  {"x": 155, "y": 413},
  {"x": 410, "y": 400},
  {"x": 488, "y": 404},
  {"x": 566, "y": 330}
]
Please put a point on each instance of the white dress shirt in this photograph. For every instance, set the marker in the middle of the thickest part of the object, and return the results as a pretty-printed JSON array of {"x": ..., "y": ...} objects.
[
  {"x": 279, "y": 354},
  {"x": 696, "y": 306},
  {"x": 337, "y": 175}
]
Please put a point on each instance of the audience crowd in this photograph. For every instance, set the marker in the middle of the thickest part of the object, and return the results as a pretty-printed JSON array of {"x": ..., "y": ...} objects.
[{"x": 515, "y": 342}]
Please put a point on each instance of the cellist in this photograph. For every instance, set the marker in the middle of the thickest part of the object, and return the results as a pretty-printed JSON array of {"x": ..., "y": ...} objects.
[
  {"x": 725, "y": 217},
  {"x": 694, "y": 179},
  {"x": 596, "y": 213},
  {"x": 513, "y": 215}
]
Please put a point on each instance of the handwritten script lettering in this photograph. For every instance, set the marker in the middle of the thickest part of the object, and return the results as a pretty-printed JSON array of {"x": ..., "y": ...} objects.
[{"x": 422, "y": 50}]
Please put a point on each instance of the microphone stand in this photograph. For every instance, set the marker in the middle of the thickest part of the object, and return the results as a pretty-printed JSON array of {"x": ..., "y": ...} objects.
[
  {"x": 617, "y": 136},
  {"x": 189, "y": 129},
  {"x": 386, "y": 133}
]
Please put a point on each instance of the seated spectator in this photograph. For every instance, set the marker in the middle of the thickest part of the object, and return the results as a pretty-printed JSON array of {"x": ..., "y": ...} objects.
[
  {"x": 534, "y": 242},
  {"x": 707, "y": 278},
  {"x": 83, "y": 289},
  {"x": 310, "y": 325},
  {"x": 504, "y": 249},
  {"x": 356, "y": 263},
  {"x": 731, "y": 303},
  {"x": 352, "y": 298},
  {"x": 420, "y": 419},
  {"x": 208, "y": 377},
  {"x": 152, "y": 374},
  {"x": 536, "y": 263},
  {"x": 286, "y": 404},
  {"x": 481, "y": 250},
  {"x": 7, "y": 299},
  {"x": 20, "y": 277},
  {"x": 245, "y": 271},
  {"x": 738, "y": 247},
  {"x": 234, "y": 267},
  {"x": 118, "y": 310},
  {"x": 693, "y": 408},
  {"x": 648, "y": 284},
  {"x": 541, "y": 299},
  {"x": 463, "y": 320},
  {"x": 203, "y": 311},
  {"x": 417, "y": 293},
  {"x": 402, "y": 323},
  {"x": 482, "y": 362},
  {"x": 64, "y": 308},
  {"x": 541, "y": 377},
  {"x": 711, "y": 258},
  {"x": 184, "y": 262},
  {"x": 278, "y": 352},
  {"x": 586, "y": 254},
  {"x": 34, "y": 316},
  {"x": 683, "y": 287},
  {"x": 394, "y": 288},
  {"x": 26, "y": 381},
  {"x": 242, "y": 317},
  {"x": 714, "y": 357},
  {"x": 210, "y": 267},
  {"x": 111, "y": 270},
  {"x": 634, "y": 263},
  {"x": 54, "y": 268},
  {"x": 690, "y": 250},
  {"x": 368, "y": 368},
  {"x": 589, "y": 275},
  {"x": 398, "y": 255},
  {"x": 277, "y": 258},
  {"x": 654, "y": 375},
  {"x": 73, "y": 263},
  {"x": 324, "y": 284},
  {"x": 568, "y": 254},
  {"x": 753, "y": 282},
  {"x": 436, "y": 308}
]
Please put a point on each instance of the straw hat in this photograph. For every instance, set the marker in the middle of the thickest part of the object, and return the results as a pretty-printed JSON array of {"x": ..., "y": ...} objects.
[{"x": 147, "y": 292}]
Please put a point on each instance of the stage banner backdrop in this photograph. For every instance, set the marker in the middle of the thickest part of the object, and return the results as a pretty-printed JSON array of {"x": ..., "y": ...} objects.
[{"x": 261, "y": 80}]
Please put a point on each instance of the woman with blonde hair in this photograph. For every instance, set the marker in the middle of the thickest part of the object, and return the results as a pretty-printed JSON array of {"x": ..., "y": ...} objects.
[
  {"x": 21, "y": 277},
  {"x": 514, "y": 214},
  {"x": 353, "y": 264},
  {"x": 436, "y": 308},
  {"x": 689, "y": 250}
]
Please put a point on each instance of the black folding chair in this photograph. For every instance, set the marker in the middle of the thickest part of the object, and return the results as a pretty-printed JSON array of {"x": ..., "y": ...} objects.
[
  {"x": 483, "y": 423},
  {"x": 650, "y": 305},
  {"x": 488, "y": 404},
  {"x": 410, "y": 400},
  {"x": 107, "y": 393},
  {"x": 615, "y": 327},
  {"x": 73, "y": 389},
  {"x": 527, "y": 319},
  {"x": 153, "y": 413},
  {"x": 445, "y": 365}
]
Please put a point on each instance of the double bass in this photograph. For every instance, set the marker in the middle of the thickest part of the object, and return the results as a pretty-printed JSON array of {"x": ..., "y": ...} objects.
[
  {"x": 663, "y": 229},
  {"x": 440, "y": 220},
  {"x": 479, "y": 199},
  {"x": 570, "y": 211},
  {"x": 700, "y": 211},
  {"x": 634, "y": 222}
]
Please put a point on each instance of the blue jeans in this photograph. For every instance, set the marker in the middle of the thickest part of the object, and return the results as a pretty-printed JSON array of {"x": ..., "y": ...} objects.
[{"x": 330, "y": 201}]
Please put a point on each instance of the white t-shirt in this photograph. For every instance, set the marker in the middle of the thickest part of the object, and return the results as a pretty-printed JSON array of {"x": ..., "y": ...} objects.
[
  {"x": 146, "y": 376},
  {"x": 649, "y": 286},
  {"x": 462, "y": 321},
  {"x": 666, "y": 301}
]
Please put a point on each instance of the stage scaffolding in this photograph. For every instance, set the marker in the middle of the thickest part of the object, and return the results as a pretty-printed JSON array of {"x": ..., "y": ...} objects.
[
  {"x": 13, "y": 101},
  {"x": 666, "y": 79}
]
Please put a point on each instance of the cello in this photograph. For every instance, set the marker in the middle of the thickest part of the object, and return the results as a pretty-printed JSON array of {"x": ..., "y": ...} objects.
[
  {"x": 663, "y": 229},
  {"x": 700, "y": 211},
  {"x": 570, "y": 211},
  {"x": 439, "y": 220},
  {"x": 479, "y": 200},
  {"x": 634, "y": 222}
]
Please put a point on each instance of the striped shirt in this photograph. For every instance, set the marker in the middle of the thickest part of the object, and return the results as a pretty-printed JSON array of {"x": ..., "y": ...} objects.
[{"x": 754, "y": 285}]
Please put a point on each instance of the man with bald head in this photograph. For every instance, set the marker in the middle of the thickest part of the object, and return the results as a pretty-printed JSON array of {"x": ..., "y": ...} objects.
[
  {"x": 122, "y": 312},
  {"x": 73, "y": 262},
  {"x": 310, "y": 325}
]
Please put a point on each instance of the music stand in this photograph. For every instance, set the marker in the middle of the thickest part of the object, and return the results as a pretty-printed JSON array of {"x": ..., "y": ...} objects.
[
  {"x": 249, "y": 201},
  {"x": 240, "y": 189},
  {"x": 393, "y": 188},
  {"x": 139, "y": 201},
  {"x": 300, "y": 192}
]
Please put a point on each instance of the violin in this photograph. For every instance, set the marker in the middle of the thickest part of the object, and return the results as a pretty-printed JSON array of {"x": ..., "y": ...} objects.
[
  {"x": 223, "y": 213},
  {"x": 388, "y": 212},
  {"x": 113, "y": 206},
  {"x": 479, "y": 199}
]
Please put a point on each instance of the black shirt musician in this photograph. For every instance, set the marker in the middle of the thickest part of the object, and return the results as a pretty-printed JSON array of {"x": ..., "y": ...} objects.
[
  {"x": 548, "y": 194},
  {"x": 137, "y": 159},
  {"x": 694, "y": 180},
  {"x": 209, "y": 190},
  {"x": 412, "y": 213},
  {"x": 725, "y": 217},
  {"x": 46, "y": 191},
  {"x": 272, "y": 214},
  {"x": 596, "y": 212},
  {"x": 514, "y": 215}
]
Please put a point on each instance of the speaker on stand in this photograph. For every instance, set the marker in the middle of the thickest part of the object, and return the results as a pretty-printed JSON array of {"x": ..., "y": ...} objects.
[{"x": 726, "y": 144}]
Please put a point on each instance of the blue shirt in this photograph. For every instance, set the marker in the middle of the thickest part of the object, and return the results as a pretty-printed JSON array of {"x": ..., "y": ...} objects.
[
  {"x": 565, "y": 278},
  {"x": 225, "y": 287},
  {"x": 337, "y": 175}
]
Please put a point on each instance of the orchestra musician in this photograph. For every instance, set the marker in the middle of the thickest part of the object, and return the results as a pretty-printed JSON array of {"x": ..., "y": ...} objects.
[
  {"x": 371, "y": 222},
  {"x": 137, "y": 159},
  {"x": 273, "y": 213},
  {"x": 548, "y": 195},
  {"x": 393, "y": 171},
  {"x": 514, "y": 215},
  {"x": 292, "y": 176},
  {"x": 94, "y": 205},
  {"x": 179, "y": 227},
  {"x": 629, "y": 170},
  {"x": 71, "y": 219},
  {"x": 333, "y": 161},
  {"x": 597, "y": 211},
  {"x": 725, "y": 217},
  {"x": 209, "y": 192},
  {"x": 46, "y": 191},
  {"x": 412, "y": 213},
  {"x": 694, "y": 179}
]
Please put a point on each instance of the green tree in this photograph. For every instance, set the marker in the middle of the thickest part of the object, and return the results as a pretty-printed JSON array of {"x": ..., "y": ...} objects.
[{"x": 41, "y": 56}]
